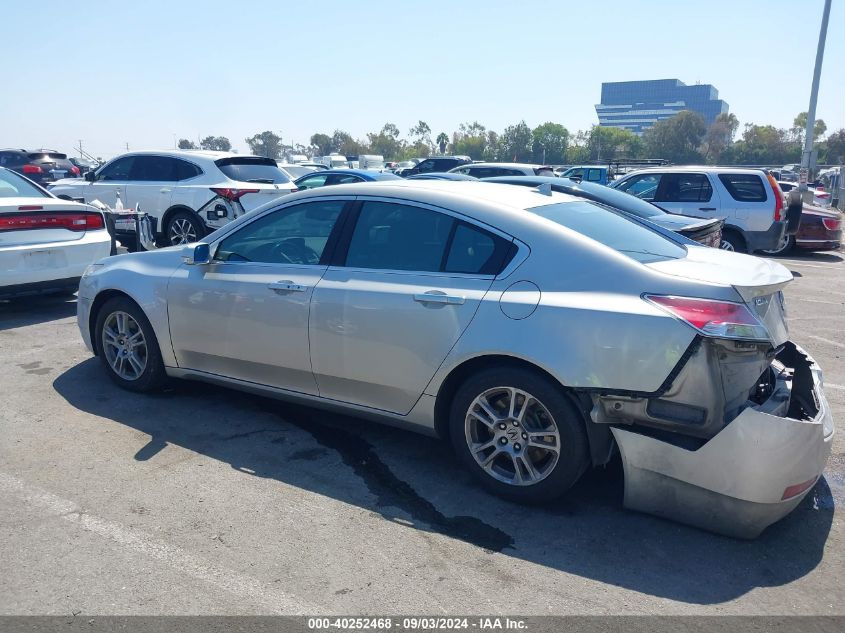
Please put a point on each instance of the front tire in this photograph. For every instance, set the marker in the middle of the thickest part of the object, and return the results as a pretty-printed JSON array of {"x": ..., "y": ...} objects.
[
  {"x": 183, "y": 228},
  {"x": 127, "y": 346},
  {"x": 519, "y": 434}
]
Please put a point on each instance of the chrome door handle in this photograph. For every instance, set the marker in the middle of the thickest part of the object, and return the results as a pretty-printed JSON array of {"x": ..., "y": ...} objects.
[
  {"x": 286, "y": 286},
  {"x": 439, "y": 297}
]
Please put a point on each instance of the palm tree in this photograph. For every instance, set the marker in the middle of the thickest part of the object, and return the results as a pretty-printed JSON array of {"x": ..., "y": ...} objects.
[{"x": 442, "y": 142}]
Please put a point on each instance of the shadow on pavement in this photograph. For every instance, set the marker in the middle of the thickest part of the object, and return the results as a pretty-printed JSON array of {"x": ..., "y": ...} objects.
[
  {"x": 416, "y": 481},
  {"x": 15, "y": 313}
]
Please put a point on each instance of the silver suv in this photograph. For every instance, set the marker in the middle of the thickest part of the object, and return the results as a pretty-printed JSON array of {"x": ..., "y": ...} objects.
[{"x": 749, "y": 200}]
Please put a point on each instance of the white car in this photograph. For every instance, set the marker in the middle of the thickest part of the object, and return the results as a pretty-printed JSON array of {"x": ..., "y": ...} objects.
[
  {"x": 188, "y": 193},
  {"x": 45, "y": 243},
  {"x": 295, "y": 170},
  {"x": 492, "y": 170},
  {"x": 749, "y": 200}
]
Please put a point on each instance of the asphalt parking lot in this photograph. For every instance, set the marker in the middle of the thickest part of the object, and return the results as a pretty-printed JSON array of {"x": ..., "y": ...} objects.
[{"x": 202, "y": 500}]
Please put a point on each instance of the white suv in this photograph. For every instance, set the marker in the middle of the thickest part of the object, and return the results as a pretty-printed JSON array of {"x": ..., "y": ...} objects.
[
  {"x": 492, "y": 170},
  {"x": 749, "y": 200},
  {"x": 189, "y": 193}
]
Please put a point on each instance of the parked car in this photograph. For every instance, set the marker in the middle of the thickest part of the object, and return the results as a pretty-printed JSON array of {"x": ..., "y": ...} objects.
[
  {"x": 41, "y": 166},
  {"x": 83, "y": 164},
  {"x": 591, "y": 173},
  {"x": 820, "y": 230},
  {"x": 750, "y": 200},
  {"x": 820, "y": 196},
  {"x": 45, "y": 243},
  {"x": 340, "y": 177},
  {"x": 188, "y": 193},
  {"x": 491, "y": 170},
  {"x": 371, "y": 162},
  {"x": 434, "y": 164},
  {"x": 707, "y": 232},
  {"x": 406, "y": 164},
  {"x": 295, "y": 170},
  {"x": 441, "y": 175},
  {"x": 332, "y": 161},
  {"x": 541, "y": 333}
]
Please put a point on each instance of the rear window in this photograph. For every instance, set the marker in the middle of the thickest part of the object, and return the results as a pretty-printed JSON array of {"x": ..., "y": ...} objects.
[
  {"x": 47, "y": 156},
  {"x": 252, "y": 169},
  {"x": 612, "y": 229},
  {"x": 13, "y": 186},
  {"x": 744, "y": 187}
]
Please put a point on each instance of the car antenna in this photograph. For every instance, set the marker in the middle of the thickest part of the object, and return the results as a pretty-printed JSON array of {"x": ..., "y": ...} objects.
[{"x": 545, "y": 189}]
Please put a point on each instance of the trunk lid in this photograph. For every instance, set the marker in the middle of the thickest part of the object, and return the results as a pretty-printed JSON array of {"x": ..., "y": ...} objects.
[
  {"x": 759, "y": 282},
  {"x": 10, "y": 207}
]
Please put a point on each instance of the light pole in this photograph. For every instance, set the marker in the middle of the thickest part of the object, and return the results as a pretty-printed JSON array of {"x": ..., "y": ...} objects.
[{"x": 814, "y": 95}]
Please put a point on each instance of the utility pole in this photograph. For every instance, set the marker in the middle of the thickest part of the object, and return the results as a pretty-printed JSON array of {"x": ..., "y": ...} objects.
[
  {"x": 814, "y": 95},
  {"x": 81, "y": 153},
  {"x": 127, "y": 146}
]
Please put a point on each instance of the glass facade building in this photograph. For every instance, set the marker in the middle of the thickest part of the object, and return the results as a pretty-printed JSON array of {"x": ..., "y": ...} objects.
[{"x": 637, "y": 105}]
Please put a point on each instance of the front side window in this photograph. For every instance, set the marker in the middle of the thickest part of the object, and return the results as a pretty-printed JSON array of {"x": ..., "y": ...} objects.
[
  {"x": 391, "y": 236},
  {"x": 592, "y": 175},
  {"x": 294, "y": 235},
  {"x": 312, "y": 182},
  {"x": 344, "y": 179},
  {"x": 643, "y": 187},
  {"x": 684, "y": 188},
  {"x": 117, "y": 170},
  {"x": 426, "y": 166},
  {"x": 612, "y": 229}
]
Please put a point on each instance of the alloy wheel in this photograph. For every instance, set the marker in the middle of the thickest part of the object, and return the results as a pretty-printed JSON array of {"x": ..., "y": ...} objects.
[
  {"x": 124, "y": 345},
  {"x": 182, "y": 231},
  {"x": 512, "y": 436},
  {"x": 726, "y": 245}
]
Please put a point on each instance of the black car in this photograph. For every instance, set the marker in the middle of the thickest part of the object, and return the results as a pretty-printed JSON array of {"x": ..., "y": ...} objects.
[
  {"x": 434, "y": 164},
  {"x": 705, "y": 231},
  {"x": 42, "y": 166}
]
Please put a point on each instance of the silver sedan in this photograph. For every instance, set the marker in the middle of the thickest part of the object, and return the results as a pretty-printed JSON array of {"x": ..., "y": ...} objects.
[{"x": 541, "y": 334}]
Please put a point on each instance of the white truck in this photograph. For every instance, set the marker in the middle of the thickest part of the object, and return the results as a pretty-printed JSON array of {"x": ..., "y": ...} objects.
[
  {"x": 296, "y": 159},
  {"x": 371, "y": 162},
  {"x": 332, "y": 161}
]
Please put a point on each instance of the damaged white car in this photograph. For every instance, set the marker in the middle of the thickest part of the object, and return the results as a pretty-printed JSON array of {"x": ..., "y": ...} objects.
[{"x": 541, "y": 333}]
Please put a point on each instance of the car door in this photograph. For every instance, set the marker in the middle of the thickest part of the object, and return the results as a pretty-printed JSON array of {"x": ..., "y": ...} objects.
[
  {"x": 407, "y": 282},
  {"x": 689, "y": 194},
  {"x": 150, "y": 185},
  {"x": 245, "y": 315},
  {"x": 110, "y": 181}
]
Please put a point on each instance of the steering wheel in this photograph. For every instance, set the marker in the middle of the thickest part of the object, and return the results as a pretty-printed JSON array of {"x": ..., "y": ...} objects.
[{"x": 296, "y": 251}]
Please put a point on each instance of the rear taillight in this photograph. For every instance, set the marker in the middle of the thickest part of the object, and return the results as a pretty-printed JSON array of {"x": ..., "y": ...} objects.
[
  {"x": 232, "y": 194},
  {"x": 74, "y": 170},
  {"x": 48, "y": 220},
  {"x": 797, "y": 489},
  {"x": 832, "y": 224},
  {"x": 31, "y": 169},
  {"x": 778, "y": 197},
  {"x": 719, "y": 319}
]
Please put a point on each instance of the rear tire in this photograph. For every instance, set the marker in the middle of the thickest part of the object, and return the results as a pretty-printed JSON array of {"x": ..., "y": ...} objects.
[
  {"x": 519, "y": 434},
  {"x": 183, "y": 228},
  {"x": 732, "y": 241},
  {"x": 787, "y": 244},
  {"x": 127, "y": 346}
]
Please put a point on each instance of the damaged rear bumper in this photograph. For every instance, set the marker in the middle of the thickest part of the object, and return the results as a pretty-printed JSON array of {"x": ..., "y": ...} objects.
[{"x": 752, "y": 473}]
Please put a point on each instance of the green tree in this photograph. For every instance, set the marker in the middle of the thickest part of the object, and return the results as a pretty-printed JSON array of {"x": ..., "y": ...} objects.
[
  {"x": 216, "y": 143},
  {"x": 322, "y": 144},
  {"x": 442, "y": 142},
  {"x": 265, "y": 144},
  {"x": 608, "y": 143},
  {"x": 186, "y": 144},
  {"x": 799, "y": 126},
  {"x": 470, "y": 140},
  {"x": 549, "y": 143},
  {"x": 762, "y": 145},
  {"x": 492, "y": 148},
  {"x": 716, "y": 139},
  {"x": 386, "y": 142},
  {"x": 835, "y": 147},
  {"x": 730, "y": 121},
  {"x": 516, "y": 143},
  {"x": 676, "y": 139},
  {"x": 343, "y": 143},
  {"x": 421, "y": 138}
]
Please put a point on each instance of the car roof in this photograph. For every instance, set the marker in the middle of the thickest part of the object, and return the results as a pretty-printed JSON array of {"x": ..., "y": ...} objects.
[
  {"x": 354, "y": 172},
  {"x": 524, "y": 165},
  {"x": 698, "y": 168}
]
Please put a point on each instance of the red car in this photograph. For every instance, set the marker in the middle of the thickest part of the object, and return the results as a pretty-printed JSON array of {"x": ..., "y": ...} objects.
[{"x": 820, "y": 230}]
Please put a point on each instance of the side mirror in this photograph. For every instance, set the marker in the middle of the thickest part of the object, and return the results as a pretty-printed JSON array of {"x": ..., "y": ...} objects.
[
  {"x": 196, "y": 254},
  {"x": 89, "y": 176}
]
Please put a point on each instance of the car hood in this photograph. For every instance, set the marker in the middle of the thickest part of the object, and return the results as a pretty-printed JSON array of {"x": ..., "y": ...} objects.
[
  {"x": 751, "y": 276},
  {"x": 169, "y": 257}
]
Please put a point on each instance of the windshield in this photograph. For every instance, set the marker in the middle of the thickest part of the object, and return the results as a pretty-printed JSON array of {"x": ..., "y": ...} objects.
[
  {"x": 14, "y": 186},
  {"x": 612, "y": 229},
  {"x": 252, "y": 169}
]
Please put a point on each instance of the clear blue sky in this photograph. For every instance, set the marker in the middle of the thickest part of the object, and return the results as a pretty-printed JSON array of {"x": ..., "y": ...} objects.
[{"x": 141, "y": 72}]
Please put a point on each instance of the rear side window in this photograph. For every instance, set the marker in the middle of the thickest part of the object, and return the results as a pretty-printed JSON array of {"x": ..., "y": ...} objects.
[
  {"x": 186, "y": 170},
  {"x": 744, "y": 187},
  {"x": 612, "y": 229},
  {"x": 475, "y": 251},
  {"x": 252, "y": 169}
]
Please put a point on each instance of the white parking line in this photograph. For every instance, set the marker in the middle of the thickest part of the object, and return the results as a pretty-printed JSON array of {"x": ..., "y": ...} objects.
[
  {"x": 833, "y": 385},
  {"x": 830, "y": 266},
  {"x": 833, "y": 303},
  {"x": 826, "y": 340},
  {"x": 245, "y": 587}
]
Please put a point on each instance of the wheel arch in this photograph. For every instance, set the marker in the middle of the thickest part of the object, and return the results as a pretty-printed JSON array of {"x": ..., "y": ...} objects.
[
  {"x": 599, "y": 437},
  {"x": 176, "y": 208},
  {"x": 737, "y": 232},
  {"x": 96, "y": 305}
]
